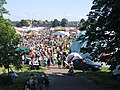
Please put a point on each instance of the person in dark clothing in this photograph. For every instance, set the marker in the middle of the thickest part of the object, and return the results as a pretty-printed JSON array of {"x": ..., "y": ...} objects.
[
  {"x": 64, "y": 59},
  {"x": 59, "y": 60},
  {"x": 48, "y": 62}
]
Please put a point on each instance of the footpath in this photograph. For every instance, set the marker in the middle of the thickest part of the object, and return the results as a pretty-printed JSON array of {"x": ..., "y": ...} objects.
[{"x": 59, "y": 80}]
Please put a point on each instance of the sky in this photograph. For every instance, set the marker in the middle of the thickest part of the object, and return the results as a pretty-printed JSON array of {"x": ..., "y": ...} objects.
[{"x": 73, "y": 10}]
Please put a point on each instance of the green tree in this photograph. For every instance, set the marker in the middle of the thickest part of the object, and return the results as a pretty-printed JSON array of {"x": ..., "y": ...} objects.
[
  {"x": 2, "y": 9},
  {"x": 55, "y": 23},
  {"x": 82, "y": 20},
  {"x": 24, "y": 23},
  {"x": 8, "y": 40},
  {"x": 40, "y": 22},
  {"x": 46, "y": 21},
  {"x": 64, "y": 22},
  {"x": 17, "y": 24},
  {"x": 81, "y": 24},
  {"x": 103, "y": 28}
]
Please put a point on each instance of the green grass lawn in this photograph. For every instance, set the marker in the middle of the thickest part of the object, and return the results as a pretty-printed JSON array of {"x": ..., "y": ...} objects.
[
  {"x": 18, "y": 83},
  {"x": 103, "y": 78}
]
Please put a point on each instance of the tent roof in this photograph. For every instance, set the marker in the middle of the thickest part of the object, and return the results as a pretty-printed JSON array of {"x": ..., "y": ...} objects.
[
  {"x": 33, "y": 33},
  {"x": 17, "y": 32},
  {"x": 63, "y": 33}
]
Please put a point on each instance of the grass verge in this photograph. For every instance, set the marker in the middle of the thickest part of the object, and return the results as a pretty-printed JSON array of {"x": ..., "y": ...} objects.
[{"x": 103, "y": 78}]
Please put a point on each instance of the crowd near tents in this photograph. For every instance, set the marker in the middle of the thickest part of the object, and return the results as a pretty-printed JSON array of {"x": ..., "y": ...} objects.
[
  {"x": 50, "y": 46},
  {"x": 44, "y": 46}
]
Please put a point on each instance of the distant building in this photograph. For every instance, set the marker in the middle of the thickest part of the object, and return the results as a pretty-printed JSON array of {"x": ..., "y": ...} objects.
[{"x": 73, "y": 23}]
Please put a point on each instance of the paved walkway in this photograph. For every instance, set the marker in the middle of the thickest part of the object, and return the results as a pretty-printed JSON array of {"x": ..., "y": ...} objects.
[{"x": 59, "y": 80}]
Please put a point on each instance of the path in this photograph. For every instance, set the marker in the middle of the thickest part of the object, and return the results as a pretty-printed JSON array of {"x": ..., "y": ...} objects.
[{"x": 60, "y": 81}]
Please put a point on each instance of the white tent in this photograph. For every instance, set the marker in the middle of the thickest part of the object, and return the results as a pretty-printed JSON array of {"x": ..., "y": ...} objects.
[
  {"x": 73, "y": 56},
  {"x": 63, "y": 33}
]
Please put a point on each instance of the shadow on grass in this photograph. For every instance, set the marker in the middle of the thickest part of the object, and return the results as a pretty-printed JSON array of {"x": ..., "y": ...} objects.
[
  {"x": 18, "y": 83},
  {"x": 104, "y": 79}
]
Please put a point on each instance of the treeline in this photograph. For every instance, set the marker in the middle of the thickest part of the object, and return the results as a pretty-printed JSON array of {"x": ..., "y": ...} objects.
[{"x": 55, "y": 23}]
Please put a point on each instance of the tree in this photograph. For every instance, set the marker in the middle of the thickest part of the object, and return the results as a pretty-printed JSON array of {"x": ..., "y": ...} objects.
[
  {"x": 55, "y": 23},
  {"x": 81, "y": 24},
  {"x": 103, "y": 27},
  {"x": 2, "y": 9},
  {"x": 17, "y": 24},
  {"x": 46, "y": 21},
  {"x": 40, "y": 22},
  {"x": 82, "y": 20},
  {"x": 8, "y": 40},
  {"x": 64, "y": 22},
  {"x": 24, "y": 23}
]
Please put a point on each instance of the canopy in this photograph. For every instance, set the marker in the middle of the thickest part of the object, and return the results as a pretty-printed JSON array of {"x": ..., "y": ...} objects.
[
  {"x": 33, "y": 33},
  {"x": 22, "y": 49},
  {"x": 63, "y": 33},
  {"x": 17, "y": 32},
  {"x": 73, "y": 56}
]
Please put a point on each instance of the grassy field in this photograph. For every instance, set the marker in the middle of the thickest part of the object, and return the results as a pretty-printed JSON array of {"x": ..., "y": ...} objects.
[
  {"x": 103, "y": 78},
  {"x": 18, "y": 83}
]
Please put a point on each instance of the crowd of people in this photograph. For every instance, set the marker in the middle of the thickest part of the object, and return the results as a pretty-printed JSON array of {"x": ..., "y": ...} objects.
[{"x": 47, "y": 49}]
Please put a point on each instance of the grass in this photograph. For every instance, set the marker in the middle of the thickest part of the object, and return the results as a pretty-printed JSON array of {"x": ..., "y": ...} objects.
[
  {"x": 18, "y": 83},
  {"x": 103, "y": 78}
]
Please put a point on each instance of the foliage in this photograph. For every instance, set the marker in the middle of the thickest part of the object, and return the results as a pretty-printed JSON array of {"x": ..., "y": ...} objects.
[
  {"x": 17, "y": 24},
  {"x": 7, "y": 31},
  {"x": 64, "y": 22},
  {"x": 103, "y": 27},
  {"x": 81, "y": 24},
  {"x": 8, "y": 41},
  {"x": 40, "y": 22},
  {"x": 2, "y": 9},
  {"x": 24, "y": 23},
  {"x": 55, "y": 23}
]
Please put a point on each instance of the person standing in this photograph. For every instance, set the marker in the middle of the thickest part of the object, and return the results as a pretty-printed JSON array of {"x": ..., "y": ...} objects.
[
  {"x": 71, "y": 68},
  {"x": 59, "y": 60},
  {"x": 48, "y": 62},
  {"x": 64, "y": 59}
]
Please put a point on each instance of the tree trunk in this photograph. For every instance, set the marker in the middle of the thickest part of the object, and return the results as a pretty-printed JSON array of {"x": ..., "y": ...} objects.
[{"x": 8, "y": 69}]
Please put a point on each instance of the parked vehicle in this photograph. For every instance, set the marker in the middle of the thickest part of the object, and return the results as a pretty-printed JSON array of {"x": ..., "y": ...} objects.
[
  {"x": 77, "y": 46},
  {"x": 87, "y": 65},
  {"x": 94, "y": 66},
  {"x": 116, "y": 72}
]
